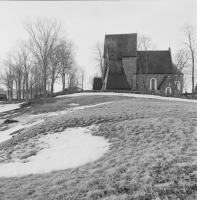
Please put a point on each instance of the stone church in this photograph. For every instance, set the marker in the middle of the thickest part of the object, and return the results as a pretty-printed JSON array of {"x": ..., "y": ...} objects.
[{"x": 126, "y": 68}]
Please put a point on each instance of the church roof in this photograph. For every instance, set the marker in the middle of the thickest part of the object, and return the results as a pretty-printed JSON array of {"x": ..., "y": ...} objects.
[
  {"x": 154, "y": 62},
  {"x": 125, "y": 45},
  {"x": 175, "y": 70}
]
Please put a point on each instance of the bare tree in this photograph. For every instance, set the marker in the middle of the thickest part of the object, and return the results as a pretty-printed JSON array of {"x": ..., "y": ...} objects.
[
  {"x": 54, "y": 66},
  {"x": 18, "y": 75},
  {"x": 36, "y": 74},
  {"x": 82, "y": 75},
  {"x": 31, "y": 83},
  {"x": 189, "y": 32},
  {"x": 8, "y": 75},
  {"x": 44, "y": 34},
  {"x": 11, "y": 66},
  {"x": 19, "y": 64},
  {"x": 144, "y": 43},
  {"x": 181, "y": 59},
  {"x": 98, "y": 57},
  {"x": 73, "y": 77},
  {"x": 23, "y": 55},
  {"x": 67, "y": 59}
]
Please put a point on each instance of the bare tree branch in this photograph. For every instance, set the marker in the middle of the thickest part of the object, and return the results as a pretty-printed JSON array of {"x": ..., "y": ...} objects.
[
  {"x": 98, "y": 57},
  {"x": 189, "y": 33},
  {"x": 44, "y": 36}
]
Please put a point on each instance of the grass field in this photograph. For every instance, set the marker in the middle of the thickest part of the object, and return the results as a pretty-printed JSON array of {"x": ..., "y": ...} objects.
[{"x": 153, "y": 152}]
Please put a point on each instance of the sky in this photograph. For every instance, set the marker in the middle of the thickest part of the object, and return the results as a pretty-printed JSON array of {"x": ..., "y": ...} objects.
[{"x": 87, "y": 22}]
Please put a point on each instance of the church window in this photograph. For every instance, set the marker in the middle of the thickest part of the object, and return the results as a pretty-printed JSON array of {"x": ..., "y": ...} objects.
[
  {"x": 153, "y": 84},
  {"x": 168, "y": 90},
  {"x": 178, "y": 85}
]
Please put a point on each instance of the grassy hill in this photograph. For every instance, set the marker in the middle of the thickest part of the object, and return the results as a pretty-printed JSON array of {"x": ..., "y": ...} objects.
[{"x": 153, "y": 153}]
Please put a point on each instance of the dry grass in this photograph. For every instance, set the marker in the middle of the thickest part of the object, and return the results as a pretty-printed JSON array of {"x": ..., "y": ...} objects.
[
  {"x": 153, "y": 155},
  {"x": 36, "y": 106},
  {"x": 58, "y": 104}
]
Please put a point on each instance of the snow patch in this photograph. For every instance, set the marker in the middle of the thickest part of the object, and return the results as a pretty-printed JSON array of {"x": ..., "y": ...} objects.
[
  {"x": 49, "y": 114},
  {"x": 128, "y": 95},
  {"x": 68, "y": 149},
  {"x": 91, "y": 106},
  {"x": 73, "y": 104},
  {"x": 26, "y": 119},
  {"x": 8, "y": 107},
  {"x": 5, "y": 135}
]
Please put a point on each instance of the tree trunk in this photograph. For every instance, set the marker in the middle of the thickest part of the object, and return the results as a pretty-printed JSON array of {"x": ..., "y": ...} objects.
[
  {"x": 23, "y": 92},
  {"x": 31, "y": 91},
  {"x": 36, "y": 91},
  {"x": 52, "y": 86},
  {"x": 63, "y": 81},
  {"x": 16, "y": 83},
  {"x": 193, "y": 89},
  {"x": 19, "y": 89},
  {"x": 27, "y": 88},
  {"x": 35, "y": 88},
  {"x": 82, "y": 83},
  {"x": 45, "y": 81},
  {"x": 40, "y": 89},
  {"x": 11, "y": 93},
  {"x": 24, "y": 88}
]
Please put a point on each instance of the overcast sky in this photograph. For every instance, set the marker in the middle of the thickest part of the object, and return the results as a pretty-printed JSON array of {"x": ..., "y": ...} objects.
[{"x": 87, "y": 22}]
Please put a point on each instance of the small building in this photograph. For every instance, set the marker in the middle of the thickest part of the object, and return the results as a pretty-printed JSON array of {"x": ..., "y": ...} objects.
[
  {"x": 3, "y": 97},
  {"x": 97, "y": 84},
  {"x": 126, "y": 68}
]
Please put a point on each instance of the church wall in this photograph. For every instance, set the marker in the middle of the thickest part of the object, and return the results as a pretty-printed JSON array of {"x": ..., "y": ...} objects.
[
  {"x": 148, "y": 77},
  {"x": 180, "y": 79},
  {"x": 129, "y": 66},
  {"x": 168, "y": 82}
]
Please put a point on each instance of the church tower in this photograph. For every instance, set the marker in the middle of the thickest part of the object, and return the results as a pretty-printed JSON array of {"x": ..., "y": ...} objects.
[{"x": 120, "y": 53}]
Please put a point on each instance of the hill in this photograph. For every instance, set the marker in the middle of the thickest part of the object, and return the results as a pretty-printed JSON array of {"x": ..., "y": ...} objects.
[{"x": 152, "y": 153}]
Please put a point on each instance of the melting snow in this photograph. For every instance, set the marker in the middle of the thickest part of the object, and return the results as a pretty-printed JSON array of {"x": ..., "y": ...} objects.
[
  {"x": 73, "y": 104},
  {"x": 49, "y": 114},
  {"x": 8, "y": 107},
  {"x": 25, "y": 119},
  {"x": 128, "y": 95},
  {"x": 5, "y": 135},
  {"x": 68, "y": 149}
]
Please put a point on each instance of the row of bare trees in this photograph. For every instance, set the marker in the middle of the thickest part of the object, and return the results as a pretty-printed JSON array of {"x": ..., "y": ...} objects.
[{"x": 46, "y": 56}]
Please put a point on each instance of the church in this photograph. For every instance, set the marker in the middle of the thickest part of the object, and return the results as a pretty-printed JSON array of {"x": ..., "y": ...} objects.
[{"x": 126, "y": 68}]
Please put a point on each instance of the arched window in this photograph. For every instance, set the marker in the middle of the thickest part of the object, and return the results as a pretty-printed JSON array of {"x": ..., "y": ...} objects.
[
  {"x": 153, "y": 84},
  {"x": 168, "y": 90},
  {"x": 178, "y": 85}
]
